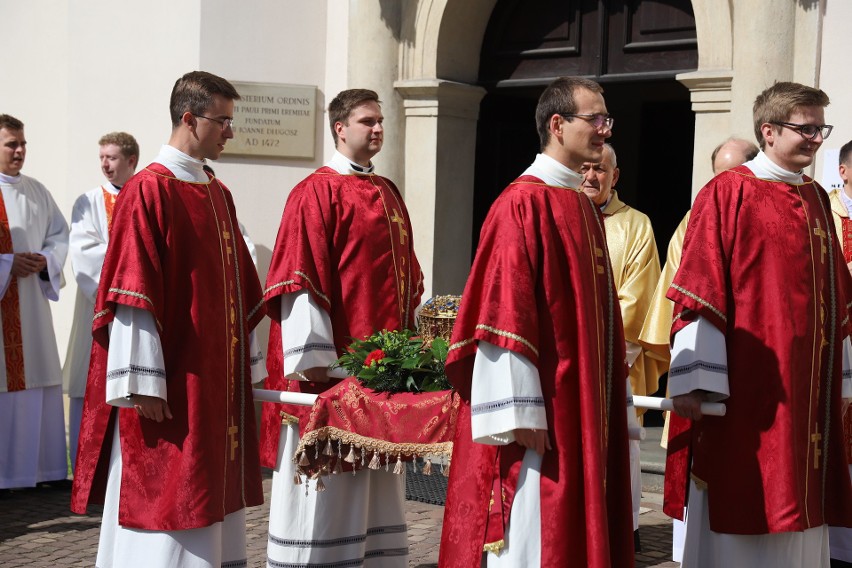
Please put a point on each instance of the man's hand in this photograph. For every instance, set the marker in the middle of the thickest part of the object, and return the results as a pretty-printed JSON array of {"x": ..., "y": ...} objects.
[
  {"x": 151, "y": 407},
  {"x": 314, "y": 374},
  {"x": 26, "y": 263},
  {"x": 689, "y": 405},
  {"x": 533, "y": 439}
]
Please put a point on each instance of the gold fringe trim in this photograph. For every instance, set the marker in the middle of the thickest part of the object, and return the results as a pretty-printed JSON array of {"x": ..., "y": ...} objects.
[
  {"x": 494, "y": 547},
  {"x": 442, "y": 449},
  {"x": 699, "y": 483}
]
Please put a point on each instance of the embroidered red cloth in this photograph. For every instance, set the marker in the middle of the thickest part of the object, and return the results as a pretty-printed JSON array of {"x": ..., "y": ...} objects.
[
  {"x": 353, "y": 427},
  {"x": 759, "y": 262},
  {"x": 346, "y": 239}
]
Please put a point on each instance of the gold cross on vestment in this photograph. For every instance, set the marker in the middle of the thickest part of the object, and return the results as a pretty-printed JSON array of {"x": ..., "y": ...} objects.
[
  {"x": 226, "y": 234},
  {"x": 599, "y": 253},
  {"x": 400, "y": 222},
  {"x": 232, "y": 432},
  {"x": 822, "y": 236},
  {"x": 815, "y": 439}
]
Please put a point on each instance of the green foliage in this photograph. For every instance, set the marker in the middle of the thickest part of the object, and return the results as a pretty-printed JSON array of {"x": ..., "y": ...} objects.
[{"x": 397, "y": 361}]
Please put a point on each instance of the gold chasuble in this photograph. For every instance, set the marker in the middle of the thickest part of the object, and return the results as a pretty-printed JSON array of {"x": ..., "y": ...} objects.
[
  {"x": 10, "y": 308},
  {"x": 635, "y": 270},
  {"x": 843, "y": 227},
  {"x": 760, "y": 264}
]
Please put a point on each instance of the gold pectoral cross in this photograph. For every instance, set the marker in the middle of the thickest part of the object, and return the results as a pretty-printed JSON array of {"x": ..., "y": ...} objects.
[
  {"x": 599, "y": 253},
  {"x": 815, "y": 439},
  {"x": 400, "y": 224},
  {"x": 232, "y": 432},
  {"x": 822, "y": 236}
]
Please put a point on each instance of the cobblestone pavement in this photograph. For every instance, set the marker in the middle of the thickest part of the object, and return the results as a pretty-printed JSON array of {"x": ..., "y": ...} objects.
[{"x": 37, "y": 529}]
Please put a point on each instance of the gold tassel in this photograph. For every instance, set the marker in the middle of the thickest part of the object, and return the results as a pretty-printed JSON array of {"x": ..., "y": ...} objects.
[
  {"x": 338, "y": 466},
  {"x": 304, "y": 459},
  {"x": 320, "y": 485},
  {"x": 351, "y": 458},
  {"x": 427, "y": 468},
  {"x": 446, "y": 470},
  {"x": 329, "y": 450},
  {"x": 397, "y": 469},
  {"x": 376, "y": 462}
]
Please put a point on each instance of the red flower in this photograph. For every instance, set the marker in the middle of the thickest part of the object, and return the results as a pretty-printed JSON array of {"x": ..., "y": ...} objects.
[{"x": 374, "y": 356}]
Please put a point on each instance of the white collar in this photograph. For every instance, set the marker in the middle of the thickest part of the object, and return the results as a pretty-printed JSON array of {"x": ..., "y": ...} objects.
[
  {"x": 555, "y": 173},
  {"x": 183, "y": 166},
  {"x": 343, "y": 165},
  {"x": 763, "y": 167},
  {"x": 10, "y": 179},
  {"x": 846, "y": 200}
]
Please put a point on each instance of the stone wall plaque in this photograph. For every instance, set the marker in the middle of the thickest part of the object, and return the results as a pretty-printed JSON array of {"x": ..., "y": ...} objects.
[{"x": 274, "y": 120}]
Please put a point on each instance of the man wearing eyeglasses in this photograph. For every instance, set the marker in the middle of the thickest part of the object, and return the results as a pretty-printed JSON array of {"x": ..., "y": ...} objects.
[
  {"x": 841, "y": 204},
  {"x": 540, "y": 470},
  {"x": 761, "y": 323},
  {"x": 168, "y": 440}
]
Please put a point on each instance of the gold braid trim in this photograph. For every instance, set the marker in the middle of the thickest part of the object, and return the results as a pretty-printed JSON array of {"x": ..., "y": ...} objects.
[
  {"x": 208, "y": 182},
  {"x": 508, "y": 334},
  {"x": 140, "y": 296},
  {"x": 701, "y": 301},
  {"x": 443, "y": 449},
  {"x": 293, "y": 281},
  {"x": 100, "y": 314},
  {"x": 278, "y": 285},
  {"x": 699, "y": 483},
  {"x": 494, "y": 547},
  {"x": 462, "y": 343},
  {"x": 288, "y": 419},
  {"x": 254, "y": 310}
]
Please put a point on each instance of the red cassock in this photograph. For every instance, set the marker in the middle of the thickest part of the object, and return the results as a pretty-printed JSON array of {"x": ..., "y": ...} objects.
[
  {"x": 347, "y": 240},
  {"x": 761, "y": 263},
  {"x": 176, "y": 251},
  {"x": 541, "y": 286}
]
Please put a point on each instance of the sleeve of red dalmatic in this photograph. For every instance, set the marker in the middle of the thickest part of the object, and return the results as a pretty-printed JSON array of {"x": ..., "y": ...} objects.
[
  {"x": 498, "y": 304},
  {"x": 302, "y": 251},
  {"x": 700, "y": 285},
  {"x": 132, "y": 273}
]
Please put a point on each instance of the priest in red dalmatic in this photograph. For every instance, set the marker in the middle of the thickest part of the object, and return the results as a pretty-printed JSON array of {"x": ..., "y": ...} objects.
[
  {"x": 343, "y": 267},
  {"x": 168, "y": 441},
  {"x": 540, "y": 471},
  {"x": 761, "y": 322}
]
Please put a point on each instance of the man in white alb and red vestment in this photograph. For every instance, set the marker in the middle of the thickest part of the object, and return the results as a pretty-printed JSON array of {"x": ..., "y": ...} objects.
[
  {"x": 761, "y": 321},
  {"x": 91, "y": 219},
  {"x": 168, "y": 440},
  {"x": 343, "y": 267},
  {"x": 540, "y": 470},
  {"x": 840, "y": 539},
  {"x": 33, "y": 246}
]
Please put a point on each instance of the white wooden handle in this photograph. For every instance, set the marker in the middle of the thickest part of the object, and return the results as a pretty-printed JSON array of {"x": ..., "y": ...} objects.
[
  {"x": 655, "y": 403},
  {"x": 299, "y": 398}
]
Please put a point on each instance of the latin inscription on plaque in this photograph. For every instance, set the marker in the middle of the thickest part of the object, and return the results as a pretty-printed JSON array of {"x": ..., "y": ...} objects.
[{"x": 274, "y": 120}]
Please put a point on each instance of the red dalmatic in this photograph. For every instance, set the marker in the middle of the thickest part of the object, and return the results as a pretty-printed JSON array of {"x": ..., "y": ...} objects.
[
  {"x": 346, "y": 239},
  {"x": 541, "y": 286},
  {"x": 175, "y": 250},
  {"x": 759, "y": 262}
]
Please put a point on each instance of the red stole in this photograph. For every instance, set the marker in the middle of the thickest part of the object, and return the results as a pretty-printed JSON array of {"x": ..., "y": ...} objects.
[
  {"x": 175, "y": 250},
  {"x": 347, "y": 240},
  {"x": 760, "y": 264},
  {"x": 541, "y": 286},
  {"x": 846, "y": 229},
  {"x": 10, "y": 307},
  {"x": 109, "y": 206}
]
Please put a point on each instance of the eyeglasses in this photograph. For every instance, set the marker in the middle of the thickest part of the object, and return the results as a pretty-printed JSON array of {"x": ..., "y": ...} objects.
[
  {"x": 598, "y": 121},
  {"x": 808, "y": 131},
  {"x": 225, "y": 123}
]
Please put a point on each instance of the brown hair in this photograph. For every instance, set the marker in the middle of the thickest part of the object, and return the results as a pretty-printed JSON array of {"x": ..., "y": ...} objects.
[
  {"x": 846, "y": 153},
  {"x": 10, "y": 122},
  {"x": 344, "y": 103},
  {"x": 194, "y": 93},
  {"x": 779, "y": 101},
  {"x": 558, "y": 98},
  {"x": 125, "y": 142}
]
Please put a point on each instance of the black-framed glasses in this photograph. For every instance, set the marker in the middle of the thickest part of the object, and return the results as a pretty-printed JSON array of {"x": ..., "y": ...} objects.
[
  {"x": 225, "y": 123},
  {"x": 598, "y": 120},
  {"x": 808, "y": 131}
]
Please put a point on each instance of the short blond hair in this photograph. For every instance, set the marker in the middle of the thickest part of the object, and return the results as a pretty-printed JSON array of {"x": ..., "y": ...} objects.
[
  {"x": 126, "y": 143},
  {"x": 779, "y": 101}
]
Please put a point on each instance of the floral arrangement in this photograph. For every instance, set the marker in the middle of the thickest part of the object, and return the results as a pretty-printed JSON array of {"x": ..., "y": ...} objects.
[{"x": 397, "y": 361}]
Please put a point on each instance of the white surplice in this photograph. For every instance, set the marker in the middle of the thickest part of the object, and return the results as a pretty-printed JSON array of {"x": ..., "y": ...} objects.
[
  {"x": 359, "y": 520},
  {"x": 135, "y": 344},
  {"x": 701, "y": 341},
  {"x": 521, "y": 385},
  {"x": 32, "y": 447}
]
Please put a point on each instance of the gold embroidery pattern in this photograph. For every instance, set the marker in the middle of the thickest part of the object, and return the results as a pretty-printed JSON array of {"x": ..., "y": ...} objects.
[
  {"x": 701, "y": 301},
  {"x": 494, "y": 547},
  {"x": 462, "y": 343},
  {"x": 313, "y": 286},
  {"x": 133, "y": 294},
  {"x": 278, "y": 285},
  {"x": 100, "y": 314},
  {"x": 508, "y": 334},
  {"x": 442, "y": 449}
]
